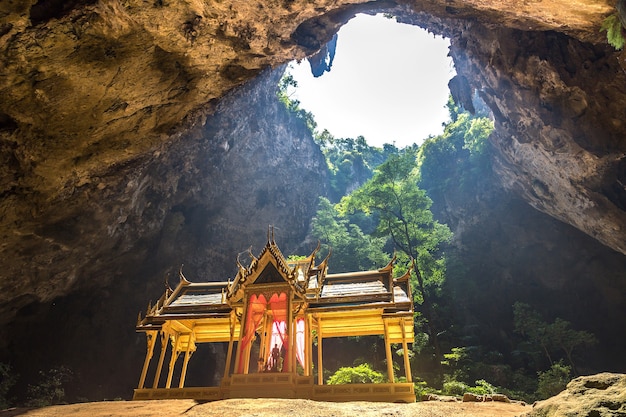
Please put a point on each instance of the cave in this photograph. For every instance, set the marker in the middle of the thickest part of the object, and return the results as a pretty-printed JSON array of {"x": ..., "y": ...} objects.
[{"x": 138, "y": 136}]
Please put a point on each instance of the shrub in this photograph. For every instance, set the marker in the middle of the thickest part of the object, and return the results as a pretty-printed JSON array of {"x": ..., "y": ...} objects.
[
  {"x": 455, "y": 388},
  {"x": 50, "y": 389},
  {"x": 7, "y": 380},
  {"x": 362, "y": 374},
  {"x": 553, "y": 381},
  {"x": 482, "y": 387},
  {"x": 422, "y": 388}
]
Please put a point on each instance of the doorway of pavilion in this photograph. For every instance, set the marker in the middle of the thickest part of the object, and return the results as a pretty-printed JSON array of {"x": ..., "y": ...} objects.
[{"x": 266, "y": 344}]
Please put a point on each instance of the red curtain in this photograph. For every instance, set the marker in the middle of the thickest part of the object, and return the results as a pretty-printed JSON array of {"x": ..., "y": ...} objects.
[
  {"x": 256, "y": 309},
  {"x": 278, "y": 304}
]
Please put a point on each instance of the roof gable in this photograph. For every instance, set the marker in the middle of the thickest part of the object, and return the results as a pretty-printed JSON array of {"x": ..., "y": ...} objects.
[
  {"x": 270, "y": 267},
  {"x": 374, "y": 290},
  {"x": 269, "y": 275}
]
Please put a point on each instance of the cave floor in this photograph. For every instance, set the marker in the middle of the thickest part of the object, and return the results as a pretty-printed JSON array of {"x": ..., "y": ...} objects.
[{"x": 274, "y": 408}]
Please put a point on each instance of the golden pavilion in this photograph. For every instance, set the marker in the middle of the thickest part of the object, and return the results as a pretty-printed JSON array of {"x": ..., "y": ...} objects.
[{"x": 270, "y": 316}]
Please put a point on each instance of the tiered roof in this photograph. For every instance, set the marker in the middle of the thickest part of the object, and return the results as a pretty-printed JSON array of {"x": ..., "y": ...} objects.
[{"x": 310, "y": 282}]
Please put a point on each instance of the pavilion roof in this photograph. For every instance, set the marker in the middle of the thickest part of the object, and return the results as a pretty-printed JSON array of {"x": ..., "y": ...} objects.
[{"x": 321, "y": 291}]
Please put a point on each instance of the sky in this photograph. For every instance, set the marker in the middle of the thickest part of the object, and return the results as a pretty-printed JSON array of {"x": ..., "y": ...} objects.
[{"x": 388, "y": 83}]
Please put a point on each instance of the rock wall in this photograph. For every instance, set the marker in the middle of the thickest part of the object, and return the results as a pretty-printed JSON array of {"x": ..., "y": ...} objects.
[
  {"x": 506, "y": 252},
  {"x": 563, "y": 150},
  {"x": 92, "y": 89},
  {"x": 115, "y": 163},
  {"x": 200, "y": 201}
]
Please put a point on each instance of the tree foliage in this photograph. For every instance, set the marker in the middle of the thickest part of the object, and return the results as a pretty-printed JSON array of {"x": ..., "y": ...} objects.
[
  {"x": 402, "y": 213},
  {"x": 7, "y": 380},
  {"x": 553, "y": 381},
  {"x": 614, "y": 35},
  {"x": 51, "y": 387},
  {"x": 351, "y": 162},
  {"x": 352, "y": 249},
  {"x": 458, "y": 158},
  {"x": 556, "y": 339},
  {"x": 287, "y": 82},
  {"x": 402, "y": 209}
]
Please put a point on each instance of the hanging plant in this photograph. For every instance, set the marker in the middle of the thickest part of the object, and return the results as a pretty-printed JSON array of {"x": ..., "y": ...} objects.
[{"x": 613, "y": 28}]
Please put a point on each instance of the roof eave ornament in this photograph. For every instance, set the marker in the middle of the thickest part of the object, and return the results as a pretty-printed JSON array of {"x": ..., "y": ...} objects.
[
  {"x": 253, "y": 259},
  {"x": 168, "y": 288},
  {"x": 321, "y": 270},
  {"x": 240, "y": 267},
  {"x": 389, "y": 266},
  {"x": 182, "y": 276},
  {"x": 324, "y": 263},
  {"x": 314, "y": 253},
  {"x": 407, "y": 274}
]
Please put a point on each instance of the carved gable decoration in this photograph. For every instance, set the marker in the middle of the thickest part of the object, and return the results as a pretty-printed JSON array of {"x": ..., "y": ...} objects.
[
  {"x": 270, "y": 267},
  {"x": 270, "y": 275}
]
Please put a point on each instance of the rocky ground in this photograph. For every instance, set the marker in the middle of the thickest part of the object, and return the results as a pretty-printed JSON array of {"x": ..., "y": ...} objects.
[
  {"x": 275, "y": 408},
  {"x": 600, "y": 395}
]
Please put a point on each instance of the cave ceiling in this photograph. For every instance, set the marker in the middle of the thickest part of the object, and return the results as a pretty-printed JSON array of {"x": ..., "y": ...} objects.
[{"x": 93, "y": 93}]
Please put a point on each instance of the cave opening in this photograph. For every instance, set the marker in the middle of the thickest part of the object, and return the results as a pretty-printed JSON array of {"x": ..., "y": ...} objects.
[
  {"x": 577, "y": 75},
  {"x": 378, "y": 78}
]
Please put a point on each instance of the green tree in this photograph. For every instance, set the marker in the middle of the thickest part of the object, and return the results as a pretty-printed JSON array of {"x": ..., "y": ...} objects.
[
  {"x": 552, "y": 338},
  {"x": 553, "y": 381},
  {"x": 402, "y": 211},
  {"x": 529, "y": 323},
  {"x": 284, "y": 93},
  {"x": 352, "y": 249},
  {"x": 351, "y": 162},
  {"x": 566, "y": 339},
  {"x": 614, "y": 31},
  {"x": 460, "y": 158},
  {"x": 50, "y": 389}
]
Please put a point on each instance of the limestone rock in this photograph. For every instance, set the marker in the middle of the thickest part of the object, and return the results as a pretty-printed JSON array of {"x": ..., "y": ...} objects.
[
  {"x": 115, "y": 162},
  {"x": 92, "y": 91},
  {"x": 481, "y": 398},
  {"x": 199, "y": 202},
  {"x": 440, "y": 398},
  {"x": 601, "y": 395}
]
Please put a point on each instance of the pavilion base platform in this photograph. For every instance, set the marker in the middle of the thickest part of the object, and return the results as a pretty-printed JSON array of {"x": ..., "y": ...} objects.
[
  {"x": 275, "y": 316},
  {"x": 284, "y": 386}
]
